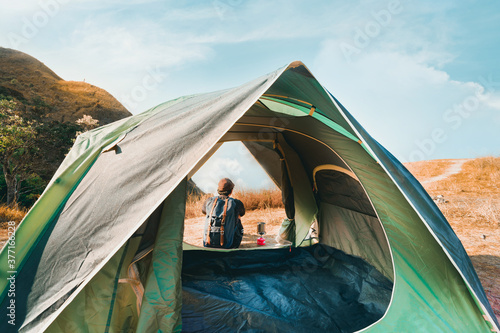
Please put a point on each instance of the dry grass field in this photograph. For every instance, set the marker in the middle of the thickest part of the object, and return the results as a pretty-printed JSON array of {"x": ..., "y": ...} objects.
[
  {"x": 424, "y": 170},
  {"x": 7, "y": 214}
]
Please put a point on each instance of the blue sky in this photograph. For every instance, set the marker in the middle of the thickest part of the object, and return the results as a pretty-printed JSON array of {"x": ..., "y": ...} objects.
[{"x": 422, "y": 77}]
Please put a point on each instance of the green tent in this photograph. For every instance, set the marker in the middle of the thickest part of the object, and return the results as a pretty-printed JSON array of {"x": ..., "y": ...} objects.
[{"x": 102, "y": 249}]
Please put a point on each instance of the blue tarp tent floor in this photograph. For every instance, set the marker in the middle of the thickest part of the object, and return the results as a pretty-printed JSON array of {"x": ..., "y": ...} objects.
[{"x": 281, "y": 290}]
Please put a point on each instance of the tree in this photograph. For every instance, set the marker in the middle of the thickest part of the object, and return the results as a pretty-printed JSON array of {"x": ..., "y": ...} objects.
[
  {"x": 54, "y": 140},
  {"x": 31, "y": 149},
  {"x": 17, "y": 148}
]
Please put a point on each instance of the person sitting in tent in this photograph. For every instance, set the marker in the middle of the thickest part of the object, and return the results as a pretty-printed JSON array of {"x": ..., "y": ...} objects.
[{"x": 223, "y": 228}]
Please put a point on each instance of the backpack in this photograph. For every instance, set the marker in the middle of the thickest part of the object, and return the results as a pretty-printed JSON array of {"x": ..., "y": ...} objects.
[{"x": 223, "y": 227}]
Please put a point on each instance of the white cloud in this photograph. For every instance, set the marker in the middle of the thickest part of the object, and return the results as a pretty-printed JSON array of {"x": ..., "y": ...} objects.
[
  {"x": 493, "y": 100},
  {"x": 122, "y": 46},
  {"x": 26, "y": 6},
  {"x": 216, "y": 168},
  {"x": 191, "y": 14},
  {"x": 114, "y": 44},
  {"x": 401, "y": 100},
  {"x": 234, "y": 161},
  {"x": 120, "y": 58}
]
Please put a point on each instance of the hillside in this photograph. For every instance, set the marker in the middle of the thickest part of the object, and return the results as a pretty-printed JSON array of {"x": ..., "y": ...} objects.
[
  {"x": 194, "y": 189},
  {"x": 37, "y": 87}
]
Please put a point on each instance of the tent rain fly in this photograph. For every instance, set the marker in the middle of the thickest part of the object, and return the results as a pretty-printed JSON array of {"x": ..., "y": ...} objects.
[{"x": 102, "y": 250}]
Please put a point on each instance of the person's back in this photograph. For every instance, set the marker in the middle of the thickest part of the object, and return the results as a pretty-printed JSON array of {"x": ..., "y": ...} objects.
[{"x": 223, "y": 228}]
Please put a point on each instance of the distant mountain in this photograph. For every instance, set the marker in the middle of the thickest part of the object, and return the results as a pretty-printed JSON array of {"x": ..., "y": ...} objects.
[
  {"x": 193, "y": 189},
  {"x": 38, "y": 88}
]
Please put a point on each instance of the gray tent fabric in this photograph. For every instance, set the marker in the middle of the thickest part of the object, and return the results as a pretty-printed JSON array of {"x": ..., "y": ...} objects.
[
  {"x": 336, "y": 188},
  {"x": 305, "y": 208},
  {"x": 162, "y": 306},
  {"x": 287, "y": 190},
  {"x": 86, "y": 232},
  {"x": 269, "y": 159},
  {"x": 346, "y": 225}
]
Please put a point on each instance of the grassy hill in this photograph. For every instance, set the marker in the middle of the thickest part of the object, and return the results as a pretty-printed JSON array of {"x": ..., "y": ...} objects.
[
  {"x": 49, "y": 107},
  {"x": 37, "y": 87}
]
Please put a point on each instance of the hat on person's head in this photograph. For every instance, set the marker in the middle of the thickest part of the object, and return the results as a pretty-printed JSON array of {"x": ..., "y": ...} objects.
[{"x": 225, "y": 186}]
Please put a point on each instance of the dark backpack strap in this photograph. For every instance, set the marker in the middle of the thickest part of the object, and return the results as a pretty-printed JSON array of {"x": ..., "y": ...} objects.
[
  {"x": 222, "y": 224},
  {"x": 210, "y": 220}
]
